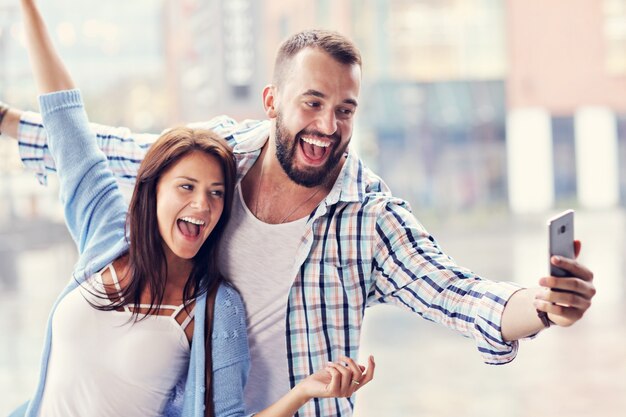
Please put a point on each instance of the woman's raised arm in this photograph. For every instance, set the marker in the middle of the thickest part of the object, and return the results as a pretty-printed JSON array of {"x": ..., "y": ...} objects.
[
  {"x": 48, "y": 68},
  {"x": 93, "y": 206}
]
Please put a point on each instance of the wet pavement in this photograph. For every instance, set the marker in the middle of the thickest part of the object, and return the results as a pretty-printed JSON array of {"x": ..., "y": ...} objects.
[{"x": 422, "y": 368}]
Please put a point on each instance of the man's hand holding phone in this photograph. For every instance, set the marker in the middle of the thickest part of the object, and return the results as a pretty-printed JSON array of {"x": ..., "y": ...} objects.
[{"x": 569, "y": 289}]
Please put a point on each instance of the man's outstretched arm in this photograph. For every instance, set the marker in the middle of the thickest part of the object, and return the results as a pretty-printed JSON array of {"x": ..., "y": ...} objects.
[
  {"x": 124, "y": 149},
  {"x": 412, "y": 272}
]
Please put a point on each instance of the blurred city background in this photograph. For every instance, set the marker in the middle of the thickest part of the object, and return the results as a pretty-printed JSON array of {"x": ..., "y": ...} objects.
[{"x": 488, "y": 116}]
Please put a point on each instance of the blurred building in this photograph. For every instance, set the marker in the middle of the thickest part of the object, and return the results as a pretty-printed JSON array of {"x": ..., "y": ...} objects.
[
  {"x": 476, "y": 103},
  {"x": 212, "y": 58},
  {"x": 432, "y": 114},
  {"x": 436, "y": 99},
  {"x": 465, "y": 104},
  {"x": 220, "y": 53},
  {"x": 566, "y": 91}
]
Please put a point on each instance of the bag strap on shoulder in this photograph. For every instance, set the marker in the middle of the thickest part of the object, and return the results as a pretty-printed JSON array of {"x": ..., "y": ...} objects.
[{"x": 209, "y": 410}]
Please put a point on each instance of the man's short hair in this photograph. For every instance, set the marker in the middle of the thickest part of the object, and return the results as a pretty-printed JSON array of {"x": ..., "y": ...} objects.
[{"x": 340, "y": 48}]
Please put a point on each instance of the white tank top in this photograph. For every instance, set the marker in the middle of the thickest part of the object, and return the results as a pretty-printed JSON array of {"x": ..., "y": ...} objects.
[
  {"x": 258, "y": 258},
  {"x": 102, "y": 364}
]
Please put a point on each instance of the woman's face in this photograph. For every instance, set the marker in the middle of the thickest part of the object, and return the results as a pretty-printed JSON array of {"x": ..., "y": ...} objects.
[{"x": 190, "y": 200}]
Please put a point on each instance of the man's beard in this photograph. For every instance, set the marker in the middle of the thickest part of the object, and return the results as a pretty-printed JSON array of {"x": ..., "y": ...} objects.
[{"x": 286, "y": 148}]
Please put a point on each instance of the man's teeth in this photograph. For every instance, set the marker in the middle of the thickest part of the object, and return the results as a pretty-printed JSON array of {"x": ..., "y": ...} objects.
[
  {"x": 192, "y": 220},
  {"x": 316, "y": 142}
]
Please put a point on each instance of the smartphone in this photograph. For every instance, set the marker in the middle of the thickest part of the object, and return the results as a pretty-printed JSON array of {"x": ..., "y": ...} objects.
[{"x": 561, "y": 238}]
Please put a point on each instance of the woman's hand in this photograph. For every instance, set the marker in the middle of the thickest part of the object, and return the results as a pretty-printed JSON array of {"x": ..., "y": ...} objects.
[{"x": 338, "y": 379}]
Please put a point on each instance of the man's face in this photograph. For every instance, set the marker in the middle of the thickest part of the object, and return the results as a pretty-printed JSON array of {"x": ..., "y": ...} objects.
[{"x": 315, "y": 106}]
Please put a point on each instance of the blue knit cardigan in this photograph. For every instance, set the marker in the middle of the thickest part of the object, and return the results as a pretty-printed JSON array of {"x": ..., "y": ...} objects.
[{"x": 95, "y": 213}]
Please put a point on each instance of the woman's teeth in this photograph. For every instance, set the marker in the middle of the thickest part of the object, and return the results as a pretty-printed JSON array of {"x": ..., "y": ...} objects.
[{"x": 192, "y": 221}]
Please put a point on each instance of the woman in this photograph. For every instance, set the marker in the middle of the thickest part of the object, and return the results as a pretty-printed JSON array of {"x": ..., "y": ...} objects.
[{"x": 126, "y": 336}]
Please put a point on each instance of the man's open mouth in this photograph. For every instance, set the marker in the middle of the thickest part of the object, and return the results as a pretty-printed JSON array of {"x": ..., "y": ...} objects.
[{"x": 314, "y": 149}]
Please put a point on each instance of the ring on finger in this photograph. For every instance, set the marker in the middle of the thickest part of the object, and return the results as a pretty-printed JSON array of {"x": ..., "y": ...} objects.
[{"x": 355, "y": 382}]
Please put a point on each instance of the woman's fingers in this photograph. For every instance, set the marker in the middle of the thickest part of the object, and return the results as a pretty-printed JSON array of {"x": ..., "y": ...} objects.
[
  {"x": 347, "y": 376},
  {"x": 344, "y": 377},
  {"x": 357, "y": 373},
  {"x": 334, "y": 386},
  {"x": 368, "y": 375}
]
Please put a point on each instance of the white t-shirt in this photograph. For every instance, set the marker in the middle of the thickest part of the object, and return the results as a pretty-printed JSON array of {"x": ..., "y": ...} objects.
[{"x": 258, "y": 258}]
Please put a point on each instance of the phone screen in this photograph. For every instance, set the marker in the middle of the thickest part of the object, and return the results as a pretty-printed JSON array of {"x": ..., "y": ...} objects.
[{"x": 561, "y": 231}]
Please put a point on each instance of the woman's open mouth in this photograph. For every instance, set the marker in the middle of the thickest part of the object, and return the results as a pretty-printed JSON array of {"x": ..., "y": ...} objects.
[{"x": 190, "y": 227}]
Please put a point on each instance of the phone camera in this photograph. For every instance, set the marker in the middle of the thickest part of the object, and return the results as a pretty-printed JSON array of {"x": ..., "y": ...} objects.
[{"x": 562, "y": 229}]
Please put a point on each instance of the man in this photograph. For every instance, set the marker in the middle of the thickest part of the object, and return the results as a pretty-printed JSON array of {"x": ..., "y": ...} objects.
[{"x": 316, "y": 237}]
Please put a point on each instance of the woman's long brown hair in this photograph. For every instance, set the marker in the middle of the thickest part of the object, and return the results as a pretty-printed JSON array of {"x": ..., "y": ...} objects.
[{"x": 147, "y": 262}]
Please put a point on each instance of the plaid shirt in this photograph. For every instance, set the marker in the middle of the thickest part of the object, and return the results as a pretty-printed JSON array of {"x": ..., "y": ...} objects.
[{"x": 361, "y": 247}]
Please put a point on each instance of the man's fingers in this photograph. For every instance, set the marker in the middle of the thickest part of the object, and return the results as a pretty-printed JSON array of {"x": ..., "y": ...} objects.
[
  {"x": 577, "y": 247},
  {"x": 568, "y": 299},
  {"x": 579, "y": 286},
  {"x": 562, "y": 315},
  {"x": 572, "y": 266}
]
